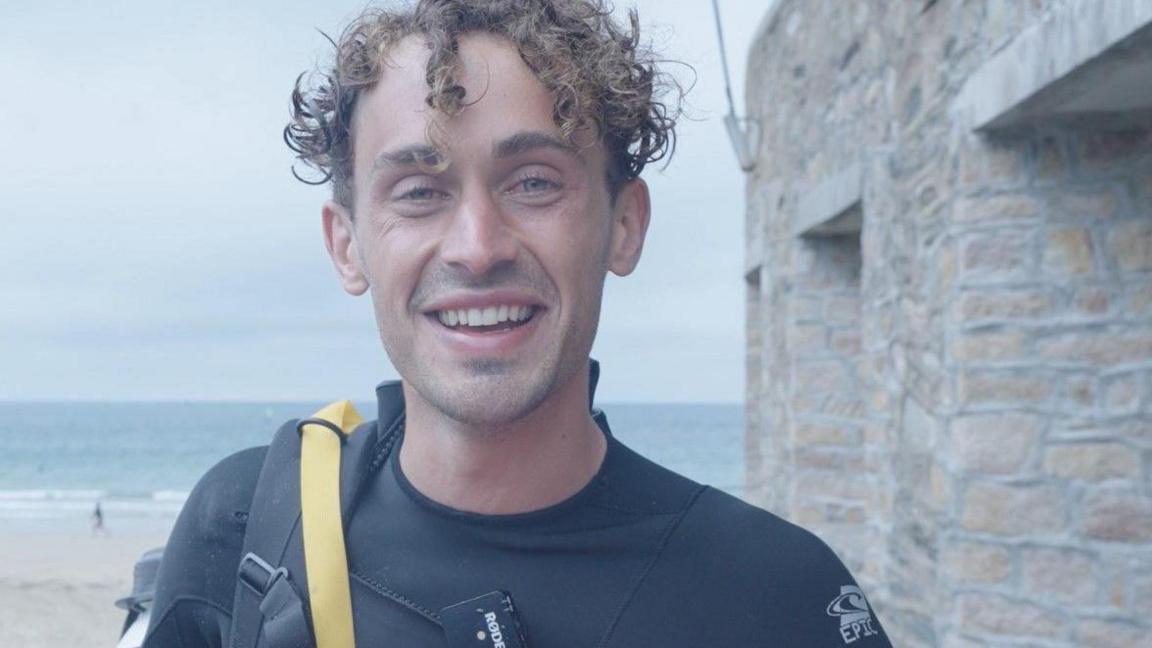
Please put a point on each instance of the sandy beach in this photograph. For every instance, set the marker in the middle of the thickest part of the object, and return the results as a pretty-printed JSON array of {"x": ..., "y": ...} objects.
[{"x": 58, "y": 583}]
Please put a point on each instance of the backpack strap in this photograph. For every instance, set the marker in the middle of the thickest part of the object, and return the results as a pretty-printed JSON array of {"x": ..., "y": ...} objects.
[
  {"x": 272, "y": 518},
  {"x": 270, "y": 603},
  {"x": 325, "y": 557}
]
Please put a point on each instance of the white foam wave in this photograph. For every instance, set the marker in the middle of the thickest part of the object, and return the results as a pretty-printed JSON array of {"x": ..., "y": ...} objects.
[{"x": 66, "y": 503}]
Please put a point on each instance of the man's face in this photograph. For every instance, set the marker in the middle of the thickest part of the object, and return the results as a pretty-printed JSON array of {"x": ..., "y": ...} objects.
[{"x": 486, "y": 275}]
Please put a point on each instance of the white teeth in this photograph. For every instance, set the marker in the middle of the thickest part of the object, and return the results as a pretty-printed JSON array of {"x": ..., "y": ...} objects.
[{"x": 484, "y": 316}]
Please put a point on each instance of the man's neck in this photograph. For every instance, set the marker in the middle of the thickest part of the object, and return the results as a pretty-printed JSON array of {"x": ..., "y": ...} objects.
[{"x": 529, "y": 464}]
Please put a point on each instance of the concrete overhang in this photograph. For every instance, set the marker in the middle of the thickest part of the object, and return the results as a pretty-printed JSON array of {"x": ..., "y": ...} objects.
[
  {"x": 829, "y": 207},
  {"x": 1088, "y": 57}
]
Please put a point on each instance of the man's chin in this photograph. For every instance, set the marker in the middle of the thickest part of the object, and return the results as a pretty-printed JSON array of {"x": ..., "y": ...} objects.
[{"x": 488, "y": 394}]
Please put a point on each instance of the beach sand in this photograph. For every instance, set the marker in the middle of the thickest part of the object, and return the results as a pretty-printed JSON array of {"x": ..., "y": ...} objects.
[{"x": 58, "y": 584}]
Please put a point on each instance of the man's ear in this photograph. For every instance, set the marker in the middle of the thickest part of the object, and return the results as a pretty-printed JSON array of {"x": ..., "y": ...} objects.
[
  {"x": 341, "y": 244},
  {"x": 630, "y": 218}
]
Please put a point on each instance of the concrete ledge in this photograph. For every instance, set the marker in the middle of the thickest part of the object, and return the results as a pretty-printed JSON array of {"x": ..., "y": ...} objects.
[
  {"x": 1089, "y": 56},
  {"x": 826, "y": 209}
]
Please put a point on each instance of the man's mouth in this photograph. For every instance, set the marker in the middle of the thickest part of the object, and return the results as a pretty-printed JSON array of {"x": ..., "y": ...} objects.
[{"x": 487, "y": 319}]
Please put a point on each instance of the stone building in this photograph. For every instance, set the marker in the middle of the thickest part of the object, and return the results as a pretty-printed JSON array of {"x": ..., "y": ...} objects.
[{"x": 949, "y": 308}]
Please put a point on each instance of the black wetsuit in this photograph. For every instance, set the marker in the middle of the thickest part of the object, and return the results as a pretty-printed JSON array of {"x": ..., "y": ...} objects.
[{"x": 640, "y": 557}]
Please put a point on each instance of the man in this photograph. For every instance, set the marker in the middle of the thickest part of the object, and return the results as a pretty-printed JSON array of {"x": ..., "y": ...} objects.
[{"x": 485, "y": 159}]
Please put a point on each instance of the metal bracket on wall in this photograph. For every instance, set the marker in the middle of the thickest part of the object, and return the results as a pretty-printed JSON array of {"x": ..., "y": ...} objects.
[{"x": 743, "y": 133}]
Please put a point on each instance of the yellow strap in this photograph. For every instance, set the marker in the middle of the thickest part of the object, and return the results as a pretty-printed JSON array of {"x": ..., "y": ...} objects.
[{"x": 324, "y": 555}]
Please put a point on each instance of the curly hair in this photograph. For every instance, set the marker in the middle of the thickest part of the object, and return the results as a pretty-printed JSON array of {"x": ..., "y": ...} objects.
[{"x": 599, "y": 75}]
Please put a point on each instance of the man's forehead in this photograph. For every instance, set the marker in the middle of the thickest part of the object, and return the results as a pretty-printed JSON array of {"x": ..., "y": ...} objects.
[{"x": 506, "y": 110}]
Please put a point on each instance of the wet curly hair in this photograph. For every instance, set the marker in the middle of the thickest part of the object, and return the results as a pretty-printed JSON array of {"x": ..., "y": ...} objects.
[{"x": 600, "y": 76}]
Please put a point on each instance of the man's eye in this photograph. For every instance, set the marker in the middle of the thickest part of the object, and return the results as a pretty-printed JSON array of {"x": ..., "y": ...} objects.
[
  {"x": 534, "y": 185},
  {"x": 420, "y": 194}
]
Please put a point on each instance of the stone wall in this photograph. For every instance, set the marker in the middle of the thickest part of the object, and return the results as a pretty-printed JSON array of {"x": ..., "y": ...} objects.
[{"x": 957, "y": 395}]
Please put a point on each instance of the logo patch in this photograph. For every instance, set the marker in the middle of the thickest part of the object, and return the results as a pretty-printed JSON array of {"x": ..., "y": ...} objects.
[{"x": 855, "y": 616}]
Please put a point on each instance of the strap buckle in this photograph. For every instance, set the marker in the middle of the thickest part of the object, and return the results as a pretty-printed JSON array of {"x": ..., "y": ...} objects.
[{"x": 257, "y": 575}]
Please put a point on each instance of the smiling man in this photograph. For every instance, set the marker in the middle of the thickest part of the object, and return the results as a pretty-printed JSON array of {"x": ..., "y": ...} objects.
[{"x": 484, "y": 157}]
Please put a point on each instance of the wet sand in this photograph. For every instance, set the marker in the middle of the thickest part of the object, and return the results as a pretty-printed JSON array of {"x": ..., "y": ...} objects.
[{"x": 58, "y": 583}]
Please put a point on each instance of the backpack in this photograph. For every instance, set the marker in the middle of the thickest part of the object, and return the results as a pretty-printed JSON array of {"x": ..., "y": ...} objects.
[{"x": 330, "y": 456}]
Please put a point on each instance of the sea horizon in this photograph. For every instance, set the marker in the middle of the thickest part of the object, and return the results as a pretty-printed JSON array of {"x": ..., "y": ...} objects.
[{"x": 142, "y": 458}]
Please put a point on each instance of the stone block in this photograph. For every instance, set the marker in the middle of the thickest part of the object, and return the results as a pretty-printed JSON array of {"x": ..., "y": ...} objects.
[
  {"x": 846, "y": 342},
  {"x": 1144, "y": 187},
  {"x": 1005, "y": 304},
  {"x": 1140, "y": 584},
  {"x": 1139, "y": 300},
  {"x": 994, "y": 443},
  {"x": 1102, "y": 633},
  {"x": 1091, "y": 301},
  {"x": 841, "y": 404},
  {"x": 1078, "y": 394},
  {"x": 1097, "y": 348},
  {"x": 1000, "y": 615},
  {"x": 1110, "y": 148},
  {"x": 1082, "y": 204},
  {"x": 804, "y": 339},
  {"x": 977, "y": 562},
  {"x": 1013, "y": 510},
  {"x": 1051, "y": 159},
  {"x": 988, "y": 347},
  {"x": 816, "y": 434},
  {"x": 829, "y": 458},
  {"x": 1069, "y": 252},
  {"x": 1092, "y": 461},
  {"x": 843, "y": 310},
  {"x": 833, "y": 484},
  {"x": 978, "y": 387},
  {"x": 823, "y": 376},
  {"x": 1123, "y": 393},
  {"x": 1064, "y": 575},
  {"x": 940, "y": 484},
  {"x": 945, "y": 277},
  {"x": 1118, "y": 516},
  {"x": 996, "y": 255},
  {"x": 807, "y": 308},
  {"x": 1011, "y": 207},
  {"x": 1131, "y": 245}
]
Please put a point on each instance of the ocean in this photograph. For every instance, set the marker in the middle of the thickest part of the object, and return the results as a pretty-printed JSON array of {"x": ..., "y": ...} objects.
[{"x": 141, "y": 459}]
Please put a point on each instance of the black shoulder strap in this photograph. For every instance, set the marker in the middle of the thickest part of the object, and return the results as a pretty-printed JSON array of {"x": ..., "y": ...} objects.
[
  {"x": 272, "y": 517},
  {"x": 269, "y": 601}
]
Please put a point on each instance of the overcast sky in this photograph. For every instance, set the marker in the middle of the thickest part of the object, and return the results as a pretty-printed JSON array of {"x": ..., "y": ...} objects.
[{"x": 155, "y": 245}]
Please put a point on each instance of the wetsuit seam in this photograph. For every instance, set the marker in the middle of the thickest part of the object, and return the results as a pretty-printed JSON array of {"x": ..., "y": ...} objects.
[
  {"x": 385, "y": 443},
  {"x": 395, "y": 596},
  {"x": 660, "y": 546}
]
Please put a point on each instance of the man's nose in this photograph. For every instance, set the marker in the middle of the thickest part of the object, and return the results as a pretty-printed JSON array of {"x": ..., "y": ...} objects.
[{"x": 478, "y": 237}]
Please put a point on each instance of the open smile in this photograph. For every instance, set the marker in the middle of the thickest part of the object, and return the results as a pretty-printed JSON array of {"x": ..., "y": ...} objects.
[
  {"x": 489, "y": 319},
  {"x": 488, "y": 325}
]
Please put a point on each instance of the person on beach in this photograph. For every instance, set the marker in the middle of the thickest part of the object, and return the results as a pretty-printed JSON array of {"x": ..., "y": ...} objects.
[
  {"x": 484, "y": 158},
  {"x": 98, "y": 521}
]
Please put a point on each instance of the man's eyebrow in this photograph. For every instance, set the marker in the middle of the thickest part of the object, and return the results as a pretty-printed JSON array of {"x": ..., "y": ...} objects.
[
  {"x": 413, "y": 155},
  {"x": 525, "y": 141}
]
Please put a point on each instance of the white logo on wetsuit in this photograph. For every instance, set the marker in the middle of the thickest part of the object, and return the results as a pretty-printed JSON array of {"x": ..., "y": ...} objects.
[
  {"x": 855, "y": 615},
  {"x": 494, "y": 633}
]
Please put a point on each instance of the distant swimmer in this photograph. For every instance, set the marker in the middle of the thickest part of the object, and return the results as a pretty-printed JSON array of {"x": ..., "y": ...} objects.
[{"x": 98, "y": 521}]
